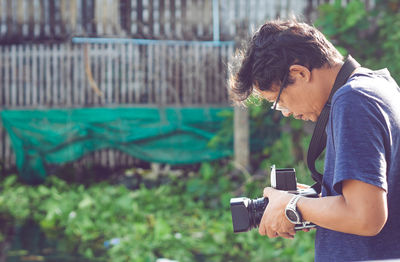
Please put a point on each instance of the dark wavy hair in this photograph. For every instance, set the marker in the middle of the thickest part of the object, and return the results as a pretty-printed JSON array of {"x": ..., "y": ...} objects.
[{"x": 274, "y": 47}]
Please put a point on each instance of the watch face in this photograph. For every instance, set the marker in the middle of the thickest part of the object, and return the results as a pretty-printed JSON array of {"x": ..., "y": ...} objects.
[{"x": 291, "y": 215}]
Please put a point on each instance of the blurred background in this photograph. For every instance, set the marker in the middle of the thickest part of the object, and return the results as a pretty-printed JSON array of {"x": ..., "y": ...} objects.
[{"x": 118, "y": 141}]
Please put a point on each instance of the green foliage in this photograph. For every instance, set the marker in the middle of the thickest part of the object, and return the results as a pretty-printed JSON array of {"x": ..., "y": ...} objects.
[
  {"x": 264, "y": 128},
  {"x": 187, "y": 219},
  {"x": 8, "y": 208},
  {"x": 371, "y": 36},
  {"x": 264, "y": 124},
  {"x": 341, "y": 21},
  {"x": 211, "y": 189}
]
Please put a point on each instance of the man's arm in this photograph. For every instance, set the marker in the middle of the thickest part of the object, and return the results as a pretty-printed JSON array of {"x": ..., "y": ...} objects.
[{"x": 361, "y": 210}]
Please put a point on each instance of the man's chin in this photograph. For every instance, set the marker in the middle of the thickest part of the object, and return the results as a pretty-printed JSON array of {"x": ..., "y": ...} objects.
[
  {"x": 313, "y": 119},
  {"x": 298, "y": 117},
  {"x": 308, "y": 118}
]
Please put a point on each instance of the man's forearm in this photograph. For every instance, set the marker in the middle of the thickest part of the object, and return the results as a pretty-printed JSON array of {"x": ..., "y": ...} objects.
[
  {"x": 361, "y": 210},
  {"x": 329, "y": 212},
  {"x": 335, "y": 213}
]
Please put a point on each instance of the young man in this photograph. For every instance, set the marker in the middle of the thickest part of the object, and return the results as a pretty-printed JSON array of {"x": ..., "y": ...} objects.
[{"x": 358, "y": 214}]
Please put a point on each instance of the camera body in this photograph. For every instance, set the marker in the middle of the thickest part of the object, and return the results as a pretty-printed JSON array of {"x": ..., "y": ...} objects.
[{"x": 247, "y": 213}]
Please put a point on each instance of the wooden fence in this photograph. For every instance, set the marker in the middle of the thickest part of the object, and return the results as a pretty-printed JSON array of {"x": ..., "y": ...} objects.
[
  {"x": 59, "y": 20},
  {"x": 133, "y": 73},
  {"x": 159, "y": 73}
]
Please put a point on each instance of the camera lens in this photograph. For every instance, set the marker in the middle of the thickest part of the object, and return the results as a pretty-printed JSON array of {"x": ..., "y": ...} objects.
[
  {"x": 247, "y": 213},
  {"x": 256, "y": 209}
]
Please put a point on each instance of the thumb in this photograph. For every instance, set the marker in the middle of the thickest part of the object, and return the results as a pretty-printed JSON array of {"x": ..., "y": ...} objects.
[{"x": 268, "y": 191}]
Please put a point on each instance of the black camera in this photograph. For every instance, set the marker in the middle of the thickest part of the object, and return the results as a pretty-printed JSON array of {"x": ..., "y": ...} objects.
[{"x": 247, "y": 213}]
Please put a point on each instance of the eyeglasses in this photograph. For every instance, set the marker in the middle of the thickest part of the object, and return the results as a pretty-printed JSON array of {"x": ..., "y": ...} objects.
[{"x": 275, "y": 105}]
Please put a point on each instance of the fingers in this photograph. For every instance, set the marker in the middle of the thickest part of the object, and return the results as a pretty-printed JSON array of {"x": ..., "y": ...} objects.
[
  {"x": 302, "y": 186},
  {"x": 274, "y": 223},
  {"x": 285, "y": 235},
  {"x": 262, "y": 230},
  {"x": 274, "y": 234},
  {"x": 268, "y": 191},
  {"x": 291, "y": 231}
]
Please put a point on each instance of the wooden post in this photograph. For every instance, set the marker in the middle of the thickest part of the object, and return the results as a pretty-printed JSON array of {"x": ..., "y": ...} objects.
[
  {"x": 139, "y": 18},
  {"x": 52, "y": 19},
  {"x": 9, "y": 21},
  {"x": 125, "y": 10},
  {"x": 241, "y": 138}
]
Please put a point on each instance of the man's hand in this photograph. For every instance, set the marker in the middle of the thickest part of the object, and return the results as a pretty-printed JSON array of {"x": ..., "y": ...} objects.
[{"x": 274, "y": 222}]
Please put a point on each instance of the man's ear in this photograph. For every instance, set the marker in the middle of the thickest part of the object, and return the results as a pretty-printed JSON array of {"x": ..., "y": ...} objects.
[{"x": 299, "y": 73}]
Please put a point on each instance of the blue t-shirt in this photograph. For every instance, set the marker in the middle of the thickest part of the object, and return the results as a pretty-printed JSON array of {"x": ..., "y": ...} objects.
[{"x": 363, "y": 143}]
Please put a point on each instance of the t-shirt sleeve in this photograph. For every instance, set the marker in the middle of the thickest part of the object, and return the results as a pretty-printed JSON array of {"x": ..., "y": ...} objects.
[{"x": 359, "y": 135}]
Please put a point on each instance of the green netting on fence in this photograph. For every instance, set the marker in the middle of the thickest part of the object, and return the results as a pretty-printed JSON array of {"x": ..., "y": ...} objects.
[{"x": 170, "y": 135}]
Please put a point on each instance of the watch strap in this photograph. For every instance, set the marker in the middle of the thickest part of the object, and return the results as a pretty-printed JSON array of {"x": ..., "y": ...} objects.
[
  {"x": 292, "y": 206},
  {"x": 293, "y": 201}
]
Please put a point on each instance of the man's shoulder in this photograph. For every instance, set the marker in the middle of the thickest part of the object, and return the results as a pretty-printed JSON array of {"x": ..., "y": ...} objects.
[{"x": 367, "y": 85}]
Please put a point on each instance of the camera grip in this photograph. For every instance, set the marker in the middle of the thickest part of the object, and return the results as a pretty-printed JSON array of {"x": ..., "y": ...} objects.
[{"x": 304, "y": 225}]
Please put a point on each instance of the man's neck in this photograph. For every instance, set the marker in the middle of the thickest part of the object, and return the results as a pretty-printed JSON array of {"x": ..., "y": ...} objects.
[
  {"x": 326, "y": 78},
  {"x": 332, "y": 74}
]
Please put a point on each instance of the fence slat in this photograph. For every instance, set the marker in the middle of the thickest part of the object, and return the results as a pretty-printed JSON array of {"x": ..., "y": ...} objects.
[
  {"x": 163, "y": 74},
  {"x": 49, "y": 77},
  {"x": 7, "y": 68},
  {"x": 34, "y": 84},
  {"x": 56, "y": 73},
  {"x": 96, "y": 71},
  {"x": 83, "y": 85},
  {"x": 131, "y": 74},
  {"x": 20, "y": 73},
  {"x": 26, "y": 62},
  {"x": 116, "y": 74},
  {"x": 149, "y": 74},
  {"x": 62, "y": 73},
  {"x": 156, "y": 76},
  {"x": 14, "y": 75},
  {"x": 108, "y": 68},
  {"x": 41, "y": 72},
  {"x": 122, "y": 52},
  {"x": 76, "y": 85},
  {"x": 68, "y": 85},
  {"x": 178, "y": 73}
]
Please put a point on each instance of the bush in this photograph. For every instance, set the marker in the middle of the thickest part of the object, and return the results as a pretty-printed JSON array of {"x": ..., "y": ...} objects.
[
  {"x": 187, "y": 219},
  {"x": 370, "y": 36}
]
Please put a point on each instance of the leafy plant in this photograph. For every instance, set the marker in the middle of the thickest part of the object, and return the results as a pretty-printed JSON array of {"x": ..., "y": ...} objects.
[
  {"x": 180, "y": 220},
  {"x": 371, "y": 36},
  {"x": 264, "y": 126}
]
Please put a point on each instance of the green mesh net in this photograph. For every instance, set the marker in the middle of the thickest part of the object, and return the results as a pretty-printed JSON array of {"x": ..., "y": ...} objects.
[{"x": 167, "y": 135}]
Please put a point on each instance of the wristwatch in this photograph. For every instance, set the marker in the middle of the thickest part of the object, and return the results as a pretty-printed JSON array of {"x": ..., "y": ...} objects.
[{"x": 291, "y": 212}]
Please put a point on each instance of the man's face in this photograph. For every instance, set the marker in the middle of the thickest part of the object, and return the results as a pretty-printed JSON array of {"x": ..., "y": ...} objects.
[{"x": 299, "y": 99}]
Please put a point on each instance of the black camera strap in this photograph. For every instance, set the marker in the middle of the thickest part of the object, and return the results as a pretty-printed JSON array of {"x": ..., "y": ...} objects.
[{"x": 318, "y": 139}]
